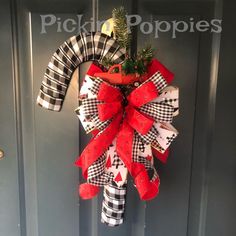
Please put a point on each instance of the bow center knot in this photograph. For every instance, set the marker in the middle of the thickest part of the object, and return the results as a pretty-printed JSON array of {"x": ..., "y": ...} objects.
[{"x": 125, "y": 102}]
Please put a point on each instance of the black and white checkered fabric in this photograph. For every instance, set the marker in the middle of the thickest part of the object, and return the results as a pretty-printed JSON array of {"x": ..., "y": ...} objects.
[
  {"x": 96, "y": 84},
  {"x": 158, "y": 80},
  {"x": 169, "y": 101},
  {"x": 113, "y": 205},
  {"x": 90, "y": 106},
  {"x": 73, "y": 52},
  {"x": 159, "y": 111},
  {"x": 136, "y": 148},
  {"x": 96, "y": 173},
  {"x": 150, "y": 136},
  {"x": 100, "y": 125},
  {"x": 145, "y": 162}
]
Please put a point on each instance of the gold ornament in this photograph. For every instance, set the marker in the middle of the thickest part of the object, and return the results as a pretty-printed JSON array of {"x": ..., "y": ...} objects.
[{"x": 108, "y": 27}]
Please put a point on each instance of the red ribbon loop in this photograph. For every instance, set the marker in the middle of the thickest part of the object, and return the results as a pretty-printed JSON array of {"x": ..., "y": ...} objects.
[
  {"x": 122, "y": 128},
  {"x": 147, "y": 189},
  {"x": 108, "y": 110},
  {"x": 138, "y": 121},
  {"x": 108, "y": 93},
  {"x": 143, "y": 94}
]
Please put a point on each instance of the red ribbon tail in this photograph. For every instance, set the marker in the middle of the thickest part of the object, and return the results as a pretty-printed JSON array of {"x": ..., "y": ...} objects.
[
  {"x": 92, "y": 152},
  {"x": 161, "y": 156},
  {"x": 124, "y": 144},
  {"x": 147, "y": 189},
  {"x": 98, "y": 145}
]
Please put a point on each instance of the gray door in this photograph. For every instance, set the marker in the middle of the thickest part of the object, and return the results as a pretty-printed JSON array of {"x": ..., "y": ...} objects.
[{"x": 38, "y": 182}]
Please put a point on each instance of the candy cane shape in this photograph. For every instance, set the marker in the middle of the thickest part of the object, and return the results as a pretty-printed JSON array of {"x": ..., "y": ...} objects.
[{"x": 73, "y": 52}]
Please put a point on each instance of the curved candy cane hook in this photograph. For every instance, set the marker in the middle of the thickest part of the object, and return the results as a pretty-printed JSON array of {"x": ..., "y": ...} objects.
[{"x": 84, "y": 47}]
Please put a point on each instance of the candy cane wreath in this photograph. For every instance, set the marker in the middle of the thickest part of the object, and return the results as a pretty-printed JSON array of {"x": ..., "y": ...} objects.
[{"x": 130, "y": 123}]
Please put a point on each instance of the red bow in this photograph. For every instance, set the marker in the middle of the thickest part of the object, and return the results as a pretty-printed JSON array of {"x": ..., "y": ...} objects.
[{"x": 125, "y": 120}]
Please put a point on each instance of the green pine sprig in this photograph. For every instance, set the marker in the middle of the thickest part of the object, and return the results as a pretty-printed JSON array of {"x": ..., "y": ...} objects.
[
  {"x": 121, "y": 33},
  {"x": 137, "y": 64},
  {"x": 146, "y": 54}
]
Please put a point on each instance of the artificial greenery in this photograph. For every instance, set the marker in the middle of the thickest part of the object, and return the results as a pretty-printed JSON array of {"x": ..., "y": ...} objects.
[
  {"x": 121, "y": 33},
  {"x": 146, "y": 54},
  {"x": 128, "y": 66},
  {"x": 131, "y": 65},
  {"x": 139, "y": 63}
]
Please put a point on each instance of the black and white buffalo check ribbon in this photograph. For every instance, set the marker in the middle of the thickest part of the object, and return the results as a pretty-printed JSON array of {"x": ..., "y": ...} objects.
[
  {"x": 113, "y": 205},
  {"x": 74, "y": 51}
]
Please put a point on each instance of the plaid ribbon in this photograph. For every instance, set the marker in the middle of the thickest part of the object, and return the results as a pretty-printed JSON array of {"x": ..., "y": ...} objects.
[
  {"x": 113, "y": 205},
  {"x": 76, "y": 50}
]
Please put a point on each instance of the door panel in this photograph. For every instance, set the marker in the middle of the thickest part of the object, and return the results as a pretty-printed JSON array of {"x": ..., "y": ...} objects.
[
  {"x": 9, "y": 176},
  {"x": 181, "y": 56},
  {"x": 56, "y": 177},
  {"x": 51, "y": 139},
  {"x": 221, "y": 204}
]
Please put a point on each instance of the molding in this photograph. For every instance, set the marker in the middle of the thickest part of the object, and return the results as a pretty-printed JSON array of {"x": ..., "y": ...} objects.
[
  {"x": 18, "y": 114},
  {"x": 215, "y": 56}
]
